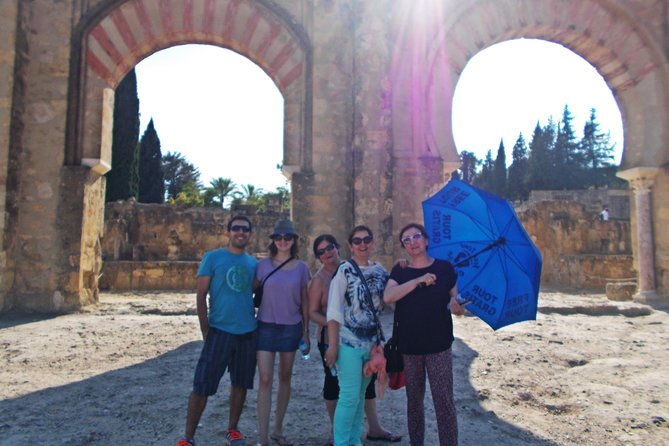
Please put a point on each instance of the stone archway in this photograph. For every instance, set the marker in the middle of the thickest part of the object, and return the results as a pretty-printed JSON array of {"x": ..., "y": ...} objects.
[
  {"x": 609, "y": 38},
  {"x": 367, "y": 89},
  {"x": 117, "y": 37}
]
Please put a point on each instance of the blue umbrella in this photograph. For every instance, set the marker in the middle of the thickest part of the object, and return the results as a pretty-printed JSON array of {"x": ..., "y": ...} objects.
[{"x": 498, "y": 266}]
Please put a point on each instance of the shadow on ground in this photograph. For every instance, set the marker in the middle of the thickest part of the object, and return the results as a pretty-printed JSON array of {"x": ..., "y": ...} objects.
[{"x": 145, "y": 404}]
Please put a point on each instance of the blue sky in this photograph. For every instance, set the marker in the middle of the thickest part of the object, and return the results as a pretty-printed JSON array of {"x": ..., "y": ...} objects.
[{"x": 225, "y": 115}]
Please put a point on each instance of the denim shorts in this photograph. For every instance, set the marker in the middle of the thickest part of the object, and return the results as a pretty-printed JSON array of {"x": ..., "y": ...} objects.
[
  {"x": 221, "y": 351},
  {"x": 278, "y": 337}
]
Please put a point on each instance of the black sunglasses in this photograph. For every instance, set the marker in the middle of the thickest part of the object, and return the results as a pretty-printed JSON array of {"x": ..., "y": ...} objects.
[
  {"x": 328, "y": 248},
  {"x": 284, "y": 237},
  {"x": 242, "y": 228},
  {"x": 366, "y": 240}
]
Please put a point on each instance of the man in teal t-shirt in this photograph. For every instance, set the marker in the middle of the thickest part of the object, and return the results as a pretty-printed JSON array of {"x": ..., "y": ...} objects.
[{"x": 228, "y": 328}]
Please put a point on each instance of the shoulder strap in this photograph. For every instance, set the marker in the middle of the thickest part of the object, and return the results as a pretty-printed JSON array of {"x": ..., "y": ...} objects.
[
  {"x": 370, "y": 301},
  {"x": 275, "y": 270}
]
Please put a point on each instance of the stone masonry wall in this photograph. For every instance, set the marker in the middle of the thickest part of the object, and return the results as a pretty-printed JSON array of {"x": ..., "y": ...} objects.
[
  {"x": 578, "y": 250},
  {"x": 154, "y": 247},
  {"x": 158, "y": 247}
]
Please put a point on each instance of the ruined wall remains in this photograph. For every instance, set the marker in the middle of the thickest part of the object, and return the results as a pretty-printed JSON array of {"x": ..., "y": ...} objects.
[
  {"x": 158, "y": 247},
  {"x": 578, "y": 250},
  {"x": 159, "y": 232},
  {"x": 367, "y": 88}
]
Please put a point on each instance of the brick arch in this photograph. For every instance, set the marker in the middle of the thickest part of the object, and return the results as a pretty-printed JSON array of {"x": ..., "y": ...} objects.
[
  {"x": 602, "y": 32},
  {"x": 114, "y": 39}
]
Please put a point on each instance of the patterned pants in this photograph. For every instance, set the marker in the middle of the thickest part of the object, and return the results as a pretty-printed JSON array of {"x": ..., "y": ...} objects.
[{"x": 439, "y": 369}]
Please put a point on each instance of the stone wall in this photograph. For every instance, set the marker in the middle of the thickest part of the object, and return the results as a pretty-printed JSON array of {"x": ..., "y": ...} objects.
[
  {"x": 150, "y": 275},
  {"x": 157, "y": 247},
  {"x": 367, "y": 87},
  {"x": 578, "y": 250},
  {"x": 156, "y": 232}
]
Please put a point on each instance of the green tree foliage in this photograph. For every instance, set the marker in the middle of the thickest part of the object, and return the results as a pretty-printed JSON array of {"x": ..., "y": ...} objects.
[
  {"x": 484, "y": 179},
  {"x": 567, "y": 159},
  {"x": 280, "y": 196},
  {"x": 517, "y": 183},
  {"x": 597, "y": 153},
  {"x": 468, "y": 166},
  {"x": 218, "y": 191},
  {"x": 596, "y": 147},
  {"x": 178, "y": 172},
  {"x": 151, "y": 183},
  {"x": 122, "y": 179},
  {"x": 541, "y": 174},
  {"x": 499, "y": 171},
  {"x": 249, "y": 194},
  {"x": 554, "y": 160},
  {"x": 189, "y": 196}
]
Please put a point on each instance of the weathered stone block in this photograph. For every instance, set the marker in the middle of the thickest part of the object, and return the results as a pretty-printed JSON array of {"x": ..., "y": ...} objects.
[{"x": 620, "y": 291}]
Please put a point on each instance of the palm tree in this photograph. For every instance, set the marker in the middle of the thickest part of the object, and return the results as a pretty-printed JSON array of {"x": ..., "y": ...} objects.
[
  {"x": 222, "y": 188},
  {"x": 251, "y": 195}
]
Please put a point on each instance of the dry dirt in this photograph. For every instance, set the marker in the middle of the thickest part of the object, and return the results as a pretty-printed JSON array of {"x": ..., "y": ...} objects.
[{"x": 588, "y": 372}]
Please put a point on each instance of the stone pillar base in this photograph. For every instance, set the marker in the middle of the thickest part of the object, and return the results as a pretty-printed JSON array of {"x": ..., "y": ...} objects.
[{"x": 649, "y": 297}]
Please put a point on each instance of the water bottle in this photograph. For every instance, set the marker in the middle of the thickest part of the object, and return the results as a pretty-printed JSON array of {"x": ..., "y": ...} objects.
[
  {"x": 303, "y": 349},
  {"x": 461, "y": 300},
  {"x": 333, "y": 369}
]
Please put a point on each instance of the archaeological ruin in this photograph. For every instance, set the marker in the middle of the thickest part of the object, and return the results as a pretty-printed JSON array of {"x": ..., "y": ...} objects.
[{"x": 367, "y": 88}]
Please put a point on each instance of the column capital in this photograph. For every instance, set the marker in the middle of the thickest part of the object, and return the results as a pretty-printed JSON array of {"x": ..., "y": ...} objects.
[{"x": 640, "y": 178}]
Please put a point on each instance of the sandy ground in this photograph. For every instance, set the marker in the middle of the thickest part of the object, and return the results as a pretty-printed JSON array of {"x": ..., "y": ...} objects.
[{"x": 588, "y": 372}]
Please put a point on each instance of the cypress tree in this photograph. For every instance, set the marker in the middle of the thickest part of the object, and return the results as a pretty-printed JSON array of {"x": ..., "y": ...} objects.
[
  {"x": 484, "y": 180},
  {"x": 151, "y": 183},
  {"x": 540, "y": 165},
  {"x": 122, "y": 179},
  {"x": 567, "y": 159},
  {"x": 499, "y": 171},
  {"x": 518, "y": 171}
]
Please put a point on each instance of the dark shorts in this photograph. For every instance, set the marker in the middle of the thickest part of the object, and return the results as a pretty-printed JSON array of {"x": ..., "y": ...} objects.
[
  {"x": 331, "y": 383},
  {"x": 222, "y": 351},
  {"x": 278, "y": 337}
]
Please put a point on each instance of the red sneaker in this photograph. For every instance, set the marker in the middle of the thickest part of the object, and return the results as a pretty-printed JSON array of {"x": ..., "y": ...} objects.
[{"x": 235, "y": 438}]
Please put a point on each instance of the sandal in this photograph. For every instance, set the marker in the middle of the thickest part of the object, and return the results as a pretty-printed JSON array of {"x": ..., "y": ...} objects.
[
  {"x": 388, "y": 436},
  {"x": 280, "y": 439}
]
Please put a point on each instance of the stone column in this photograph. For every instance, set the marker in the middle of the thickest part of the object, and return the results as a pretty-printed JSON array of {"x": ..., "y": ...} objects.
[
  {"x": 9, "y": 11},
  {"x": 641, "y": 179}
]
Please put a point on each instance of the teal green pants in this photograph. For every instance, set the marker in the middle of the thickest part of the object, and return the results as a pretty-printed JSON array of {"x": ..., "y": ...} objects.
[{"x": 351, "y": 404}]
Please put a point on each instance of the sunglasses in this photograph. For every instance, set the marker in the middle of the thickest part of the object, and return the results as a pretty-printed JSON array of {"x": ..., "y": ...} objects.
[
  {"x": 366, "y": 240},
  {"x": 328, "y": 248},
  {"x": 238, "y": 228},
  {"x": 417, "y": 236},
  {"x": 284, "y": 237}
]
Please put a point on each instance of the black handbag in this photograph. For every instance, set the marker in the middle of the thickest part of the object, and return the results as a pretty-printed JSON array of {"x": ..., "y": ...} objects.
[
  {"x": 257, "y": 293},
  {"x": 394, "y": 361}
]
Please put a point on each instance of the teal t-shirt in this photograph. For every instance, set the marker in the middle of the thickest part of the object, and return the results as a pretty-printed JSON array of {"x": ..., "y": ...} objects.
[{"x": 230, "y": 290}]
